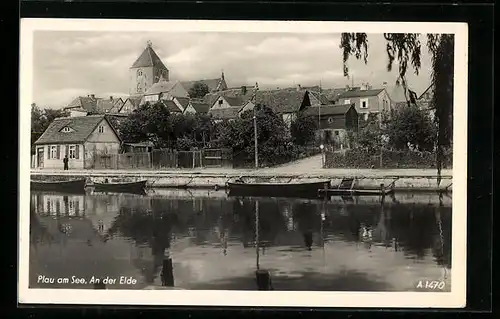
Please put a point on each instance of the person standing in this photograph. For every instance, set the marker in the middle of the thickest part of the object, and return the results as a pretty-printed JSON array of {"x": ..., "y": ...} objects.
[{"x": 65, "y": 162}]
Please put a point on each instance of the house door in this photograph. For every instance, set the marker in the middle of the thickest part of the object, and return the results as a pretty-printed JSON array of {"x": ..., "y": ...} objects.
[{"x": 40, "y": 157}]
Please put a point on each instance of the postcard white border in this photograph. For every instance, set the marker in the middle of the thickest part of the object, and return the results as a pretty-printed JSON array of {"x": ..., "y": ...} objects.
[{"x": 454, "y": 299}]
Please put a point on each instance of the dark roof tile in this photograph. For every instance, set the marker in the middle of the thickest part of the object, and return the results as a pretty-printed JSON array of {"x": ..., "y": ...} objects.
[
  {"x": 225, "y": 113},
  {"x": 200, "y": 107},
  {"x": 328, "y": 110},
  {"x": 282, "y": 101},
  {"x": 149, "y": 58},
  {"x": 81, "y": 126},
  {"x": 360, "y": 93}
]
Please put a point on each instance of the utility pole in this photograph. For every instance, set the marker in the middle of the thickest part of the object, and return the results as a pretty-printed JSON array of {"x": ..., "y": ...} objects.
[
  {"x": 319, "y": 114},
  {"x": 256, "y": 145}
]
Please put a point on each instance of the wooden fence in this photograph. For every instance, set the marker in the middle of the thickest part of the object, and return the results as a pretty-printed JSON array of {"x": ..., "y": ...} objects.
[{"x": 162, "y": 159}]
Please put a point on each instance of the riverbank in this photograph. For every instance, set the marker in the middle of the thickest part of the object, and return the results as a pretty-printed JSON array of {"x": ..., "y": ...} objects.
[{"x": 403, "y": 179}]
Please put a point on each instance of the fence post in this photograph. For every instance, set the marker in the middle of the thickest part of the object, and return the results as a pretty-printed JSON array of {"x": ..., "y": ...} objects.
[
  {"x": 201, "y": 157},
  {"x": 193, "y": 153}
]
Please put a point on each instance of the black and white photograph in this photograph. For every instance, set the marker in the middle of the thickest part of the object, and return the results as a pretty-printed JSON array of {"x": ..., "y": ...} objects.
[{"x": 243, "y": 163}]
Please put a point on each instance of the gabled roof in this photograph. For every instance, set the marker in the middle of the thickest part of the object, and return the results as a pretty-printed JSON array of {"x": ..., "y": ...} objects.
[
  {"x": 213, "y": 84},
  {"x": 149, "y": 58},
  {"x": 134, "y": 100},
  {"x": 328, "y": 109},
  {"x": 171, "y": 106},
  {"x": 183, "y": 101},
  {"x": 283, "y": 101},
  {"x": 235, "y": 100},
  {"x": 161, "y": 86},
  {"x": 225, "y": 112},
  {"x": 320, "y": 97},
  {"x": 200, "y": 107},
  {"x": 82, "y": 127},
  {"x": 210, "y": 98},
  {"x": 361, "y": 93},
  {"x": 88, "y": 103},
  {"x": 104, "y": 106},
  {"x": 333, "y": 94}
]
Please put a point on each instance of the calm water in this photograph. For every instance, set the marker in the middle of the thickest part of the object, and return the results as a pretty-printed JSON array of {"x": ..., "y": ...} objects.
[{"x": 359, "y": 245}]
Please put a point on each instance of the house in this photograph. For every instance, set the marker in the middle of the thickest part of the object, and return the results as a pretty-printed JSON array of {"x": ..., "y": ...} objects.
[
  {"x": 130, "y": 104},
  {"x": 225, "y": 113},
  {"x": 80, "y": 138},
  {"x": 164, "y": 90},
  {"x": 214, "y": 85},
  {"x": 335, "y": 121},
  {"x": 91, "y": 104},
  {"x": 83, "y": 104},
  {"x": 285, "y": 102},
  {"x": 197, "y": 107},
  {"x": 333, "y": 95},
  {"x": 367, "y": 100},
  {"x": 181, "y": 102},
  {"x": 172, "y": 107}
]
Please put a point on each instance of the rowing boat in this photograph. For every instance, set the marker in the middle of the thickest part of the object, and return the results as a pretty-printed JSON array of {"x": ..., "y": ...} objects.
[
  {"x": 77, "y": 185},
  {"x": 122, "y": 187},
  {"x": 309, "y": 190}
]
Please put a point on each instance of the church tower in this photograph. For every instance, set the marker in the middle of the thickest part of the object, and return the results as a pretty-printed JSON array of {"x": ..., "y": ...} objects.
[{"x": 146, "y": 71}]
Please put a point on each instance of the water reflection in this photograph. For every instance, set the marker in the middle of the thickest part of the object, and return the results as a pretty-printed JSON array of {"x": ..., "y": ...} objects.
[{"x": 208, "y": 241}]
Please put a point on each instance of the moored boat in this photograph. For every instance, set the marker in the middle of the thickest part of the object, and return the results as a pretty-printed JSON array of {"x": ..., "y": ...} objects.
[
  {"x": 348, "y": 187},
  {"x": 121, "y": 187},
  {"x": 301, "y": 190},
  {"x": 77, "y": 185}
]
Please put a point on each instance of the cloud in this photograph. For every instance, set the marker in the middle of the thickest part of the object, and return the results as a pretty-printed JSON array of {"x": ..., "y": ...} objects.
[{"x": 67, "y": 64}]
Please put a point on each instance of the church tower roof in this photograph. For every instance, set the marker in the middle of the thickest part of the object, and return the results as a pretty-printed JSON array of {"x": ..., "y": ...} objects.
[{"x": 149, "y": 58}]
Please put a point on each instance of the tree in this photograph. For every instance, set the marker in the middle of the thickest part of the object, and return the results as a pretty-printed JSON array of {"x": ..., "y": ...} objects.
[
  {"x": 410, "y": 125},
  {"x": 198, "y": 90},
  {"x": 274, "y": 146},
  {"x": 149, "y": 122},
  {"x": 406, "y": 48},
  {"x": 303, "y": 129},
  {"x": 40, "y": 121}
]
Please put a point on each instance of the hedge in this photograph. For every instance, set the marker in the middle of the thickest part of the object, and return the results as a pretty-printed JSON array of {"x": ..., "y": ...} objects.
[{"x": 361, "y": 158}]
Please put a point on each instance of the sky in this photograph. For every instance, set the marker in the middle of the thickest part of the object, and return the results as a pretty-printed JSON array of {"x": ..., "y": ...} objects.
[{"x": 67, "y": 64}]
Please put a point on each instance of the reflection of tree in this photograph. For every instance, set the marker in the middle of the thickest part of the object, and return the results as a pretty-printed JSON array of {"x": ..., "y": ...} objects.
[{"x": 271, "y": 221}]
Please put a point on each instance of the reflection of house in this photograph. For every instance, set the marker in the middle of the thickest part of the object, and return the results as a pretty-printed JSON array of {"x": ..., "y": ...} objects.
[
  {"x": 335, "y": 121},
  {"x": 79, "y": 138},
  {"x": 367, "y": 100},
  {"x": 62, "y": 205}
]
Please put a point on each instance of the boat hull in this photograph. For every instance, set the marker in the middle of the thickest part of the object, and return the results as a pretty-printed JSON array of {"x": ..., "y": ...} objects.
[
  {"x": 59, "y": 186},
  {"x": 354, "y": 192},
  {"x": 300, "y": 190},
  {"x": 133, "y": 187}
]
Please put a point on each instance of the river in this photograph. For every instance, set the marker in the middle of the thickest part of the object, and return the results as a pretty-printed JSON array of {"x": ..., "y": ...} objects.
[{"x": 350, "y": 244}]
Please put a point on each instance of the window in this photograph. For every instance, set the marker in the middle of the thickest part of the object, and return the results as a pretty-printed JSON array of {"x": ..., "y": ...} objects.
[
  {"x": 220, "y": 102},
  {"x": 330, "y": 120},
  {"x": 336, "y": 133},
  {"x": 72, "y": 151},
  {"x": 139, "y": 72},
  {"x": 347, "y": 101},
  {"x": 101, "y": 129},
  {"x": 53, "y": 151},
  {"x": 364, "y": 104}
]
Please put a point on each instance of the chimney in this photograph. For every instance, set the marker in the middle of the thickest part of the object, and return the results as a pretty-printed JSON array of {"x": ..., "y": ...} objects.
[
  {"x": 111, "y": 97},
  {"x": 92, "y": 96},
  {"x": 243, "y": 90},
  {"x": 384, "y": 85}
]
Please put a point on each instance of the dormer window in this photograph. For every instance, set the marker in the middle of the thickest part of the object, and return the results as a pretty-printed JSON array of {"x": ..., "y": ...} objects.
[{"x": 66, "y": 129}]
